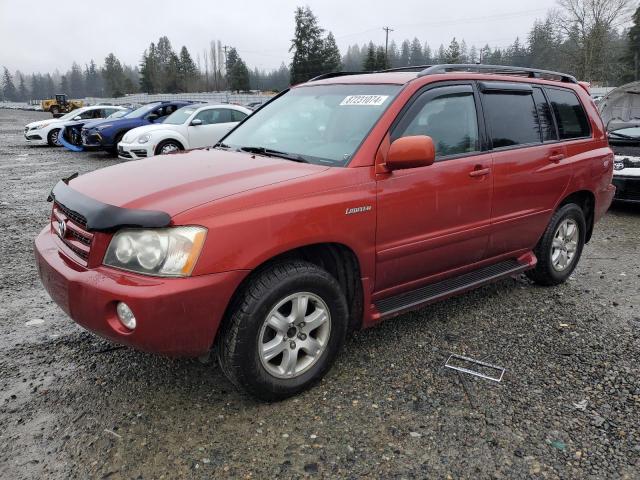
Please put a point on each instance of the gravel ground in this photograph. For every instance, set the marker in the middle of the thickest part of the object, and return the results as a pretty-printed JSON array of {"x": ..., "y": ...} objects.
[{"x": 75, "y": 406}]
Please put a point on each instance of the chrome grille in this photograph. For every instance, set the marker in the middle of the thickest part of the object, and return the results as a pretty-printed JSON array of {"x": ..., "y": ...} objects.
[{"x": 65, "y": 223}]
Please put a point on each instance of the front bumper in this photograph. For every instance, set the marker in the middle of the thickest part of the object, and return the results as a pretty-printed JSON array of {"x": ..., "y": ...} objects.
[
  {"x": 134, "y": 151},
  {"x": 627, "y": 188},
  {"x": 175, "y": 316},
  {"x": 35, "y": 136},
  {"x": 91, "y": 139}
]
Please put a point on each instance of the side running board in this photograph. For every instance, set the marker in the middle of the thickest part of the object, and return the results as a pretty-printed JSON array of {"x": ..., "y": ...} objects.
[{"x": 446, "y": 288}]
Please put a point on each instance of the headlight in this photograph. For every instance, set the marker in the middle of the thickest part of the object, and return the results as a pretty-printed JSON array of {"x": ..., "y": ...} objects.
[
  {"x": 144, "y": 138},
  {"x": 164, "y": 252}
]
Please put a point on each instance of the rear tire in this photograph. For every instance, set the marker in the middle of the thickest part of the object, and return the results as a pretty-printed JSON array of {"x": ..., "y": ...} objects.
[
  {"x": 560, "y": 247},
  {"x": 52, "y": 138},
  {"x": 284, "y": 330}
]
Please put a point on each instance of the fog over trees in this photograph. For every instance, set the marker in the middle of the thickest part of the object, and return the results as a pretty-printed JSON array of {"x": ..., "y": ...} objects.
[{"x": 590, "y": 39}]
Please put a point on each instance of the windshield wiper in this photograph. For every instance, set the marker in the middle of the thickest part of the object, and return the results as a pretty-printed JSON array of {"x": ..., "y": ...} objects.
[
  {"x": 274, "y": 153},
  {"x": 221, "y": 145}
]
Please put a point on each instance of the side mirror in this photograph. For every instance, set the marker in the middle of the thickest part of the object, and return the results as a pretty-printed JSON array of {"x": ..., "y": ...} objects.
[
  {"x": 77, "y": 117},
  {"x": 411, "y": 152},
  {"x": 196, "y": 122}
]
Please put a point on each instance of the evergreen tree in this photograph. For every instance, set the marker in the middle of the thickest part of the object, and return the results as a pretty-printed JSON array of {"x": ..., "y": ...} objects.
[
  {"x": 452, "y": 54},
  {"x": 76, "y": 83},
  {"x": 188, "y": 72},
  {"x": 331, "y": 55},
  {"x": 23, "y": 91},
  {"x": 393, "y": 56},
  {"x": 9, "y": 91},
  {"x": 428, "y": 58},
  {"x": 113, "y": 75},
  {"x": 632, "y": 56},
  {"x": 49, "y": 86},
  {"x": 239, "y": 77},
  {"x": 370, "y": 64},
  {"x": 64, "y": 85},
  {"x": 307, "y": 47},
  {"x": 150, "y": 70},
  {"x": 416, "y": 56},
  {"x": 381, "y": 59},
  {"x": 405, "y": 55}
]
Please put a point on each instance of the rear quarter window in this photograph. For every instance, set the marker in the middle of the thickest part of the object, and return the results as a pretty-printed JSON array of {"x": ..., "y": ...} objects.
[
  {"x": 512, "y": 118},
  {"x": 570, "y": 115}
]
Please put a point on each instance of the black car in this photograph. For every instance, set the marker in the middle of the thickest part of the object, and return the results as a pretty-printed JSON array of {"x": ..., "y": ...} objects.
[{"x": 626, "y": 167}]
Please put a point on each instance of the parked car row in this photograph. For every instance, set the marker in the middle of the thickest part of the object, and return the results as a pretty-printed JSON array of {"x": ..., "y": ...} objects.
[{"x": 153, "y": 129}]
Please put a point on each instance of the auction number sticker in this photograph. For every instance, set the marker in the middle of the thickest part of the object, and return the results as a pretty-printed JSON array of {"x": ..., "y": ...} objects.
[{"x": 366, "y": 100}]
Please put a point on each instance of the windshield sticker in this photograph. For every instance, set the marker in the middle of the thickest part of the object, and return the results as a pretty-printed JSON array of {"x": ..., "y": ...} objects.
[{"x": 366, "y": 100}]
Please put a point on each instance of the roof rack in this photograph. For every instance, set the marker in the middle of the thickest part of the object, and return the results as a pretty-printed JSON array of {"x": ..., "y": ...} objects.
[
  {"x": 334, "y": 74},
  {"x": 498, "y": 70},
  {"x": 410, "y": 68}
]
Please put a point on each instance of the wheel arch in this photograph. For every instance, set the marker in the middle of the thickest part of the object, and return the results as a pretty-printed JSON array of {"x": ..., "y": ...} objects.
[
  {"x": 336, "y": 258},
  {"x": 586, "y": 200},
  {"x": 173, "y": 138}
]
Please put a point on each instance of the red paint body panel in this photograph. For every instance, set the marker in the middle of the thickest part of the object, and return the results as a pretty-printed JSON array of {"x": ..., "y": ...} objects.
[{"x": 424, "y": 224}]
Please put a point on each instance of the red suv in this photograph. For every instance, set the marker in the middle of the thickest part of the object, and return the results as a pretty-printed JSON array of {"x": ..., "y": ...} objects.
[{"x": 344, "y": 201}]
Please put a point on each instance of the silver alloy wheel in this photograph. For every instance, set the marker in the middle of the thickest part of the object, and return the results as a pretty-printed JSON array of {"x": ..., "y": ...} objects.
[
  {"x": 565, "y": 244},
  {"x": 294, "y": 335},
  {"x": 54, "y": 136},
  {"x": 168, "y": 148}
]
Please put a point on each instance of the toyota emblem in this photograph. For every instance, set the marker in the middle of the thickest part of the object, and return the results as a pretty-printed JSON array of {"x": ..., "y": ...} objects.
[{"x": 62, "y": 228}]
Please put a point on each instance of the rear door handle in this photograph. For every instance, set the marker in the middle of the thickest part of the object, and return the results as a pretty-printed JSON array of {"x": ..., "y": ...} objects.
[
  {"x": 556, "y": 157},
  {"x": 479, "y": 172}
]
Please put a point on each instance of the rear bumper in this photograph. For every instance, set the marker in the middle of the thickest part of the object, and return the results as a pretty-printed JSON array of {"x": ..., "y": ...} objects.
[
  {"x": 175, "y": 316},
  {"x": 627, "y": 188}
]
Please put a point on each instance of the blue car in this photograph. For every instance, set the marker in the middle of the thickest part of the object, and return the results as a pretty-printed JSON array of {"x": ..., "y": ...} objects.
[{"x": 106, "y": 134}]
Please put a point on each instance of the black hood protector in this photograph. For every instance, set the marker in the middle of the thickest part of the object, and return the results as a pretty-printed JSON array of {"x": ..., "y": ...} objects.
[{"x": 102, "y": 217}]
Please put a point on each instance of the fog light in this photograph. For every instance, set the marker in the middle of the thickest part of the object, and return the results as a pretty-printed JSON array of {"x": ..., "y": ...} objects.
[{"x": 125, "y": 315}]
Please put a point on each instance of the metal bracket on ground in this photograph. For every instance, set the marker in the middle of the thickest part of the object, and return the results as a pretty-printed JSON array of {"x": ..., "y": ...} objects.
[{"x": 487, "y": 367}]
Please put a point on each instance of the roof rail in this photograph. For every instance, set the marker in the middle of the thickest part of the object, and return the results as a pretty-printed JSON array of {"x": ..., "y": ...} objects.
[
  {"x": 410, "y": 68},
  {"x": 334, "y": 74},
  {"x": 498, "y": 70}
]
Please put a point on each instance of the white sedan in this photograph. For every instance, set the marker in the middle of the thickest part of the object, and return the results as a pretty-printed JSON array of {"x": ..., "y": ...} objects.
[
  {"x": 193, "y": 126},
  {"x": 46, "y": 131}
]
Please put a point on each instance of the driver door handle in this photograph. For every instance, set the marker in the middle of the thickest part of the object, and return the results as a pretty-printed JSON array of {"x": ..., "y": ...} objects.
[
  {"x": 479, "y": 171},
  {"x": 556, "y": 157}
]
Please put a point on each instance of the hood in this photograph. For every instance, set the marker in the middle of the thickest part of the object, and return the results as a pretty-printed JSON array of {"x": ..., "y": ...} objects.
[
  {"x": 620, "y": 108},
  {"x": 47, "y": 121},
  {"x": 118, "y": 123},
  {"x": 136, "y": 132},
  {"x": 177, "y": 182}
]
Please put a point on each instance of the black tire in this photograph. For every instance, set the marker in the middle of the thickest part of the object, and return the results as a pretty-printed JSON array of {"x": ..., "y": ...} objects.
[
  {"x": 52, "y": 138},
  {"x": 545, "y": 273},
  {"x": 241, "y": 334},
  {"x": 168, "y": 142},
  {"x": 118, "y": 138}
]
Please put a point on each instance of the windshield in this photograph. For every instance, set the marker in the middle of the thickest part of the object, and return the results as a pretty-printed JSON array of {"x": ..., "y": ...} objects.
[
  {"x": 118, "y": 114},
  {"x": 141, "y": 111},
  {"x": 322, "y": 124},
  {"x": 179, "y": 116},
  {"x": 631, "y": 133},
  {"x": 73, "y": 113}
]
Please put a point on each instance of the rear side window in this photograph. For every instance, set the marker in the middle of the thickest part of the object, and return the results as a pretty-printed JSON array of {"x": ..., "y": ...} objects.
[
  {"x": 512, "y": 118},
  {"x": 572, "y": 121},
  {"x": 547, "y": 126},
  {"x": 238, "y": 116},
  {"x": 446, "y": 114}
]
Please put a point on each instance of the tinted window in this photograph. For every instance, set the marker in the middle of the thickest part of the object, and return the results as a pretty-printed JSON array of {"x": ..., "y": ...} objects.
[
  {"x": 237, "y": 116},
  {"x": 547, "y": 127},
  {"x": 512, "y": 118},
  {"x": 448, "y": 116},
  {"x": 572, "y": 121}
]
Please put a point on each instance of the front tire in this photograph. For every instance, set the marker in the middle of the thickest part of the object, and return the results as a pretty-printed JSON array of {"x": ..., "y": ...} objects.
[
  {"x": 52, "y": 138},
  {"x": 168, "y": 146},
  {"x": 560, "y": 247},
  {"x": 284, "y": 330}
]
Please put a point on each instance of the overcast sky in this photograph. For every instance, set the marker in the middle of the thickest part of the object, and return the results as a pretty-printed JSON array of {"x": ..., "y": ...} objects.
[{"x": 44, "y": 35}]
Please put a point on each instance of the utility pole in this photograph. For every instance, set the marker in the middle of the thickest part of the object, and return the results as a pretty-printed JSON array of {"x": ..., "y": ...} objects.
[{"x": 386, "y": 43}]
